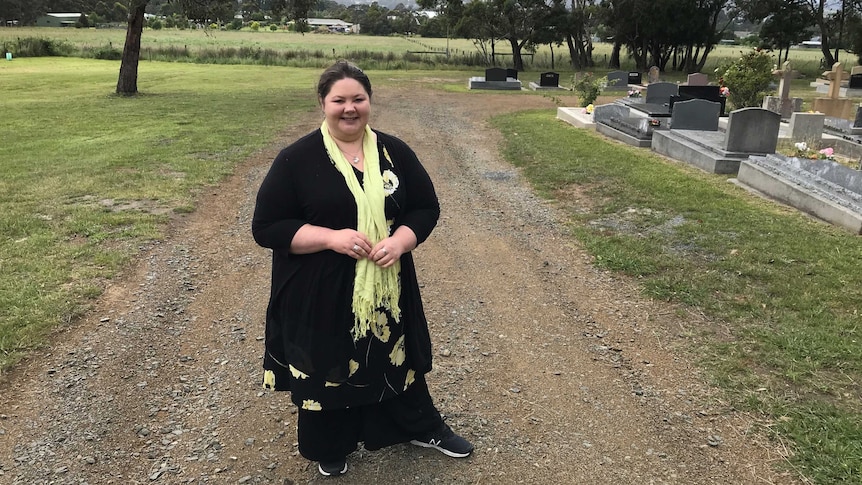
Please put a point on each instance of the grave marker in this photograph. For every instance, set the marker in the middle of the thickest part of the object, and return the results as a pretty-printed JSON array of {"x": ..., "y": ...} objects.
[
  {"x": 695, "y": 114},
  {"x": 697, "y": 79},
  {"x": 653, "y": 75},
  {"x": 495, "y": 74},
  {"x": 635, "y": 77},
  {"x": 752, "y": 130},
  {"x": 617, "y": 81},
  {"x": 549, "y": 79},
  {"x": 807, "y": 127}
]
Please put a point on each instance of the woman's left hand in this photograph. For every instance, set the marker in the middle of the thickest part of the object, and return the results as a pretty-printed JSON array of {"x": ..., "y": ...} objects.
[{"x": 387, "y": 252}]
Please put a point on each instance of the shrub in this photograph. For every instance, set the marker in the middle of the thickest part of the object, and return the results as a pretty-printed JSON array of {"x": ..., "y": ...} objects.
[
  {"x": 747, "y": 79},
  {"x": 255, "y": 26},
  {"x": 273, "y": 27},
  {"x": 588, "y": 88}
]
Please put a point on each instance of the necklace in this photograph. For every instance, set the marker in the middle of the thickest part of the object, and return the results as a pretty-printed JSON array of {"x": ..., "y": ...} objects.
[{"x": 354, "y": 158}]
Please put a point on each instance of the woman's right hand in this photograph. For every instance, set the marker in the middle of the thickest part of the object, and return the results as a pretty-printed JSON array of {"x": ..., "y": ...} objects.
[{"x": 351, "y": 242}]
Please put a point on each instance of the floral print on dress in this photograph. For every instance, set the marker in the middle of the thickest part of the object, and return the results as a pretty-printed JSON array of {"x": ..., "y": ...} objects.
[
  {"x": 297, "y": 374},
  {"x": 311, "y": 405},
  {"x": 411, "y": 376},
  {"x": 390, "y": 182},
  {"x": 398, "y": 355},
  {"x": 380, "y": 327}
]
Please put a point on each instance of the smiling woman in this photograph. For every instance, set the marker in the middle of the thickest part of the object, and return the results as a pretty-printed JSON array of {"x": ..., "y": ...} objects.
[{"x": 345, "y": 329}]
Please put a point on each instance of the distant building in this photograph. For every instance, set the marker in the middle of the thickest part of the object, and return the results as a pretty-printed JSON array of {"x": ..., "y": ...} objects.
[
  {"x": 334, "y": 25},
  {"x": 58, "y": 20}
]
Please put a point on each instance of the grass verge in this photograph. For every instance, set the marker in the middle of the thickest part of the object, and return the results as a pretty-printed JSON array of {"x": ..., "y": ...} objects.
[
  {"x": 786, "y": 286},
  {"x": 89, "y": 177}
]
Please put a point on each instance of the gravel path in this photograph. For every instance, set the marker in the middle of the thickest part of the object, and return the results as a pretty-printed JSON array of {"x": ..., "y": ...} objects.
[{"x": 558, "y": 372}]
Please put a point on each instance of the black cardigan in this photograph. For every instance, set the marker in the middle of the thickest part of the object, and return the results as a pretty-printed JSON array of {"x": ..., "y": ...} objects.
[{"x": 309, "y": 316}]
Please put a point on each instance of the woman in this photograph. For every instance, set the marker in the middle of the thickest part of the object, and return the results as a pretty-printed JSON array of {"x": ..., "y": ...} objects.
[{"x": 341, "y": 209}]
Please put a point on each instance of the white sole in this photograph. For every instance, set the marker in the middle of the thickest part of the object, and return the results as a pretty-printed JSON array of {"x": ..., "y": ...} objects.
[
  {"x": 441, "y": 450},
  {"x": 327, "y": 474}
]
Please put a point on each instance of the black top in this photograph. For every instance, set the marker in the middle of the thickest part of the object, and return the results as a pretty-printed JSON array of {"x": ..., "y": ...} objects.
[{"x": 309, "y": 317}]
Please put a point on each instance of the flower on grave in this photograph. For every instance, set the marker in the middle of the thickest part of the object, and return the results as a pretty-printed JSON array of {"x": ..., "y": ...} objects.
[
  {"x": 589, "y": 109},
  {"x": 801, "y": 146},
  {"x": 654, "y": 122},
  {"x": 634, "y": 93},
  {"x": 724, "y": 91},
  {"x": 827, "y": 154}
]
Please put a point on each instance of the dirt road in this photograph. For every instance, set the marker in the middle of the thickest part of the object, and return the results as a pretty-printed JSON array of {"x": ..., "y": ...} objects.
[{"x": 557, "y": 372}]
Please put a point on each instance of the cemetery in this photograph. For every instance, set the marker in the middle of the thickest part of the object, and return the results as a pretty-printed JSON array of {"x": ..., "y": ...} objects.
[{"x": 689, "y": 122}]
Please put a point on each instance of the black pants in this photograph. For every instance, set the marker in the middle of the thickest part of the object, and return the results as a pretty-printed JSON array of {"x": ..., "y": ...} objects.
[{"x": 334, "y": 434}]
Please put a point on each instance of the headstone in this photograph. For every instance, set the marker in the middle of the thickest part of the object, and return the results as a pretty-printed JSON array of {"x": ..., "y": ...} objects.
[
  {"x": 495, "y": 74},
  {"x": 784, "y": 84},
  {"x": 8, "y": 56},
  {"x": 855, "y": 81},
  {"x": 856, "y": 70},
  {"x": 617, "y": 81},
  {"x": 807, "y": 127},
  {"x": 660, "y": 92},
  {"x": 635, "y": 77},
  {"x": 857, "y": 122},
  {"x": 709, "y": 93},
  {"x": 605, "y": 113},
  {"x": 835, "y": 80},
  {"x": 512, "y": 73},
  {"x": 549, "y": 79},
  {"x": 697, "y": 79},
  {"x": 653, "y": 75},
  {"x": 752, "y": 130},
  {"x": 783, "y": 104},
  {"x": 695, "y": 114}
]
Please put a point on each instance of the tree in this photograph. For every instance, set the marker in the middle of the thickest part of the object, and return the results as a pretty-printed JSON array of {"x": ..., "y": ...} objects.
[{"x": 787, "y": 26}]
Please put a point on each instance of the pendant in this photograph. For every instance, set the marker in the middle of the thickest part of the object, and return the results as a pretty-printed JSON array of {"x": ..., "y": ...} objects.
[{"x": 355, "y": 160}]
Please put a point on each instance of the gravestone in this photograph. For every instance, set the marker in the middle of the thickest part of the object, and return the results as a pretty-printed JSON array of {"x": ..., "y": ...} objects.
[
  {"x": 635, "y": 77},
  {"x": 512, "y": 73},
  {"x": 549, "y": 79},
  {"x": 834, "y": 105},
  {"x": 695, "y": 114},
  {"x": 495, "y": 78},
  {"x": 653, "y": 75},
  {"x": 697, "y": 79},
  {"x": 857, "y": 120},
  {"x": 495, "y": 74},
  {"x": 783, "y": 104},
  {"x": 615, "y": 121},
  {"x": 807, "y": 127},
  {"x": 617, "y": 81},
  {"x": 855, "y": 81},
  {"x": 824, "y": 188},
  {"x": 709, "y": 93},
  {"x": 607, "y": 112},
  {"x": 660, "y": 92},
  {"x": 752, "y": 130},
  {"x": 856, "y": 70}
]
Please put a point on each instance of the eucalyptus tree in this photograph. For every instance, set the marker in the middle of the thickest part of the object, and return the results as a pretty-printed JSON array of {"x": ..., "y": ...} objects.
[
  {"x": 660, "y": 31},
  {"x": 203, "y": 11}
]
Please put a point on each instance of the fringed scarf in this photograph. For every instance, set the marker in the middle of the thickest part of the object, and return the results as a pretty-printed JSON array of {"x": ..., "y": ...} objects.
[{"x": 374, "y": 287}]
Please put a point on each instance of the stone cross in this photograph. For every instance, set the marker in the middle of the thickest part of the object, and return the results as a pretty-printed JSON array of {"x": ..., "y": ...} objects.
[
  {"x": 784, "y": 84},
  {"x": 834, "y": 80}
]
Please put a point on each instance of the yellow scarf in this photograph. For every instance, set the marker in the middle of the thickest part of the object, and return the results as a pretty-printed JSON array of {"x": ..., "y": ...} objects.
[{"x": 374, "y": 287}]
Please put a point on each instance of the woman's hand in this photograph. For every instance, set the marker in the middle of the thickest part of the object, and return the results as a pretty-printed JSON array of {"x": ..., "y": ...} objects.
[
  {"x": 351, "y": 242},
  {"x": 387, "y": 252}
]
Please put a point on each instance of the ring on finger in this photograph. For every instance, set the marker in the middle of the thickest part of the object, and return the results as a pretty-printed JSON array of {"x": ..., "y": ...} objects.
[
  {"x": 385, "y": 251},
  {"x": 355, "y": 248}
]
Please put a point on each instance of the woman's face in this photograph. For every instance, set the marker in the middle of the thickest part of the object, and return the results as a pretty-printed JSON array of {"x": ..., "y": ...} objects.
[{"x": 346, "y": 107}]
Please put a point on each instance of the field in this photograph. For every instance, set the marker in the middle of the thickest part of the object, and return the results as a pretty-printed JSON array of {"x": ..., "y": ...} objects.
[{"x": 388, "y": 52}]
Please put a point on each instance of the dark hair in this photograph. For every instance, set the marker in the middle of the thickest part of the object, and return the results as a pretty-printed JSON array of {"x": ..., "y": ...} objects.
[{"x": 338, "y": 71}]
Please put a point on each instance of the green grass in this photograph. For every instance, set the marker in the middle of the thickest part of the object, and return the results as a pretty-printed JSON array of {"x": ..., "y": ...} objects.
[
  {"x": 786, "y": 286},
  {"x": 89, "y": 177}
]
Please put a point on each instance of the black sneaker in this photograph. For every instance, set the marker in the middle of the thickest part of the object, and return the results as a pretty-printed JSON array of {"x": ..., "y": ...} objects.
[
  {"x": 332, "y": 468},
  {"x": 445, "y": 441}
]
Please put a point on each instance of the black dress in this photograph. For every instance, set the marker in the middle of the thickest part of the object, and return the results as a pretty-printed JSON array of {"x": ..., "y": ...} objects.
[{"x": 309, "y": 347}]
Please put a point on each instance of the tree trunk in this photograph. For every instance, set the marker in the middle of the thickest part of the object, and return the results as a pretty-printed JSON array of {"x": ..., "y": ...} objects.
[
  {"x": 551, "y": 46},
  {"x": 127, "y": 84},
  {"x": 614, "y": 61},
  {"x": 517, "y": 61}
]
